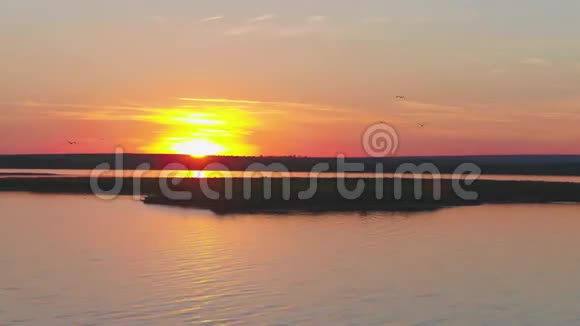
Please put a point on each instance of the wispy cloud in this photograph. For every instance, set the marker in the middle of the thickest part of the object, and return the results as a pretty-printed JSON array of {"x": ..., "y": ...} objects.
[
  {"x": 444, "y": 116},
  {"x": 269, "y": 25},
  {"x": 533, "y": 61},
  {"x": 251, "y": 26},
  {"x": 172, "y": 112},
  {"x": 217, "y": 100},
  {"x": 266, "y": 106},
  {"x": 80, "y": 111},
  {"x": 264, "y": 18},
  {"x": 433, "y": 107},
  {"x": 211, "y": 19}
]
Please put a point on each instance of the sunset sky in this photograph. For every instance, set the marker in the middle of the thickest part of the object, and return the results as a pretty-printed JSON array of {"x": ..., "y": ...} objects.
[{"x": 285, "y": 77}]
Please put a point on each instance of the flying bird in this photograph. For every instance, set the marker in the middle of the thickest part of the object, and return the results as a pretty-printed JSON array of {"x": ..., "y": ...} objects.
[
  {"x": 71, "y": 142},
  {"x": 400, "y": 97},
  {"x": 422, "y": 124}
]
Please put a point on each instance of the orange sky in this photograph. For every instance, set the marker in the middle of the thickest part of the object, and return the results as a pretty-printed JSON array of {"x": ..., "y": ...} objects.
[
  {"x": 280, "y": 78},
  {"x": 249, "y": 127}
]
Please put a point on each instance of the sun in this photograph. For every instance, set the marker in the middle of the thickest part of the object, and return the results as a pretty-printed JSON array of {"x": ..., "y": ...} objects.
[
  {"x": 198, "y": 148},
  {"x": 204, "y": 129}
]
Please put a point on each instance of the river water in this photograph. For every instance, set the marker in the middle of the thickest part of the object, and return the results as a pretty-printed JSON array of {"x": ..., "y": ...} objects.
[
  {"x": 60, "y": 173},
  {"x": 80, "y": 260}
]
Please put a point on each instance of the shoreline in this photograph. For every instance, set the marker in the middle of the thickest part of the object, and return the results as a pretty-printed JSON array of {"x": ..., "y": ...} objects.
[{"x": 377, "y": 194}]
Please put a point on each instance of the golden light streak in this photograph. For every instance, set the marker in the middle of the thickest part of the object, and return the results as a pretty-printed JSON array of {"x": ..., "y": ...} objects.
[
  {"x": 204, "y": 130},
  {"x": 198, "y": 147}
]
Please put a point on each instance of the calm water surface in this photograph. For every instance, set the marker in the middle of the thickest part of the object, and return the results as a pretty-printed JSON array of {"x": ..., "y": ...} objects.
[
  {"x": 78, "y": 260},
  {"x": 59, "y": 173}
]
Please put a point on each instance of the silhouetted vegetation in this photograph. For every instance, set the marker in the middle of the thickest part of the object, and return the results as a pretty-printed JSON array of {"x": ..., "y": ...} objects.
[
  {"x": 326, "y": 198},
  {"x": 521, "y": 165}
]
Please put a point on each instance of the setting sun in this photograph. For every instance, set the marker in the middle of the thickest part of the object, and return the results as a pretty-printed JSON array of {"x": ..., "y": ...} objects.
[
  {"x": 204, "y": 127},
  {"x": 198, "y": 148}
]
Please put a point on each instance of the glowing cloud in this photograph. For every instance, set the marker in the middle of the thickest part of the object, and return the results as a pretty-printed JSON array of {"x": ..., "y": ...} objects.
[
  {"x": 211, "y": 19},
  {"x": 263, "y": 18}
]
